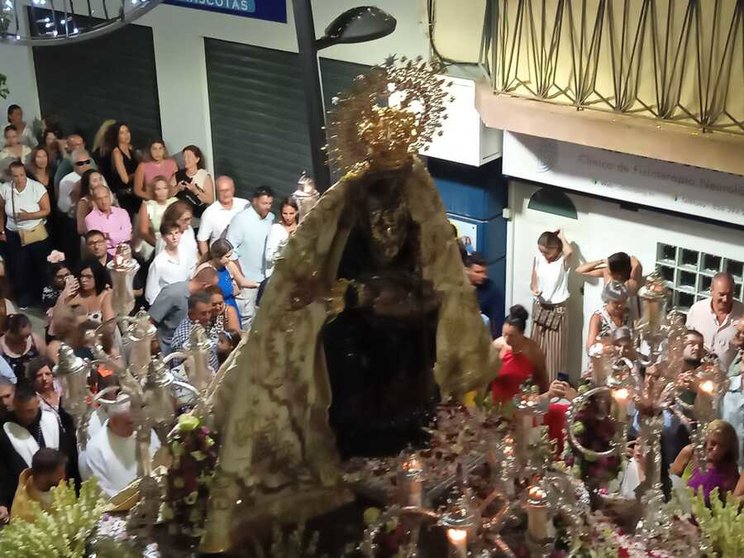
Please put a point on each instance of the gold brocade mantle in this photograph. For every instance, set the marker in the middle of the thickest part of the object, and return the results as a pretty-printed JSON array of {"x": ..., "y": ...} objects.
[{"x": 278, "y": 457}]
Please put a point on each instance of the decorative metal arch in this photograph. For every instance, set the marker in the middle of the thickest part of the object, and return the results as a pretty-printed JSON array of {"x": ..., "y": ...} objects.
[
  {"x": 53, "y": 22},
  {"x": 674, "y": 60}
]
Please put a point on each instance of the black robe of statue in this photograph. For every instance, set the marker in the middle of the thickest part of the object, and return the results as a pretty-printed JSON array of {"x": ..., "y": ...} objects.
[{"x": 380, "y": 361}]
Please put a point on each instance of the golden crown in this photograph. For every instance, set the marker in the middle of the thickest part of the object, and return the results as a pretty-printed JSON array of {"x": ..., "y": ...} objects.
[{"x": 388, "y": 114}]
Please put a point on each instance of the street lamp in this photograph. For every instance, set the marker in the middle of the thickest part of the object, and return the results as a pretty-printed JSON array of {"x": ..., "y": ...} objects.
[{"x": 357, "y": 25}]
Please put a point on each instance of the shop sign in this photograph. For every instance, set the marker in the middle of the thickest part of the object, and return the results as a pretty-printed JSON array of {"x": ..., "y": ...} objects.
[
  {"x": 628, "y": 178},
  {"x": 269, "y": 10}
]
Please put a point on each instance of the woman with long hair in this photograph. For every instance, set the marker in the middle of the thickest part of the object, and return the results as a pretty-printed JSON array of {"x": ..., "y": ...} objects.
[
  {"x": 151, "y": 214},
  {"x": 280, "y": 233},
  {"x": 158, "y": 164},
  {"x": 224, "y": 316},
  {"x": 89, "y": 181},
  {"x": 193, "y": 183},
  {"x": 90, "y": 291},
  {"x": 229, "y": 277},
  {"x": 123, "y": 166}
]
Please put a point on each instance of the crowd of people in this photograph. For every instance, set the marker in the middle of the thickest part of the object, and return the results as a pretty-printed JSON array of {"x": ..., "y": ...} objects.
[
  {"x": 715, "y": 333},
  {"x": 204, "y": 256}
]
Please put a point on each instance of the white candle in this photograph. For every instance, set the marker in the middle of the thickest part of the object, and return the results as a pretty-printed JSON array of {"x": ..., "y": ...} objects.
[
  {"x": 458, "y": 539},
  {"x": 621, "y": 396},
  {"x": 537, "y": 514}
]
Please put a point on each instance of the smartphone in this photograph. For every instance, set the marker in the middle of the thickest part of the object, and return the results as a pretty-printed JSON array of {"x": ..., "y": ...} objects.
[{"x": 562, "y": 377}]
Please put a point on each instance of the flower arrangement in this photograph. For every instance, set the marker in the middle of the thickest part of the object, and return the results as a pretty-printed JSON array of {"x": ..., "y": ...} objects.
[
  {"x": 59, "y": 533},
  {"x": 594, "y": 428},
  {"x": 721, "y": 525},
  {"x": 194, "y": 450}
]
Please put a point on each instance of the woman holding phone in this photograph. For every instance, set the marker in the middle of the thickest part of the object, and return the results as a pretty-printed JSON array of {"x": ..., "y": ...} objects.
[{"x": 193, "y": 184}]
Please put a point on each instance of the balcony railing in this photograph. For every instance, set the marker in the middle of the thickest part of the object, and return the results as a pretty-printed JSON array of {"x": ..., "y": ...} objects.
[{"x": 675, "y": 60}]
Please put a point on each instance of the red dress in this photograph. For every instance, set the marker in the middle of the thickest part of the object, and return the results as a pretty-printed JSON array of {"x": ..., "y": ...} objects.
[{"x": 517, "y": 368}]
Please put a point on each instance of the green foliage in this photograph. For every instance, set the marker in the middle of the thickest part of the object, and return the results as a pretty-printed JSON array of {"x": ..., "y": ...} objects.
[
  {"x": 721, "y": 524},
  {"x": 59, "y": 533}
]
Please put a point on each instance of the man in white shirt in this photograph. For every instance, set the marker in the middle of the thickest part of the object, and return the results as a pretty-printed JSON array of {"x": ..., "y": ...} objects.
[
  {"x": 68, "y": 192},
  {"x": 81, "y": 162},
  {"x": 111, "y": 455},
  {"x": 217, "y": 216},
  {"x": 25, "y": 203},
  {"x": 167, "y": 267},
  {"x": 716, "y": 317}
]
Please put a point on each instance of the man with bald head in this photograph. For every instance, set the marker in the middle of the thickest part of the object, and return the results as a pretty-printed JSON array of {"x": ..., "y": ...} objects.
[
  {"x": 217, "y": 216},
  {"x": 716, "y": 318}
]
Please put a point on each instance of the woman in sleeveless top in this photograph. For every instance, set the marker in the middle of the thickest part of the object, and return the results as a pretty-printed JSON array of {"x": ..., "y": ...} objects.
[
  {"x": 151, "y": 215},
  {"x": 229, "y": 278},
  {"x": 20, "y": 345},
  {"x": 523, "y": 360},
  {"x": 89, "y": 181},
  {"x": 90, "y": 292},
  {"x": 613, "y": 315},
  {"x": 193, "y": 184},
  {"x": 549, "y": 286},
  {"x": 159, "y": 164},
  {"x": 224, "y": 317},
  {"x": 123, "y": 166}
]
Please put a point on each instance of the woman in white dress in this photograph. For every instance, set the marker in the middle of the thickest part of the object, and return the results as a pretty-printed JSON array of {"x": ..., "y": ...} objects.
[{"x": 280, "y": 233}]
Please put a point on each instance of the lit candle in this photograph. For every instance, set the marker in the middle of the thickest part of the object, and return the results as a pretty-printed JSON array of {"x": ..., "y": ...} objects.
[
  {"x": 458, "y": 538},
  {"x": 411, "y": 482},
  {"x": 538, "y": 522},
  {"x": 621, "y": 396},
  {"x": 704, "y": 400}
]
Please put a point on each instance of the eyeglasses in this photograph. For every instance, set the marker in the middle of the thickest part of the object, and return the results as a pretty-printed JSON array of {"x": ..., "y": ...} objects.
[
  {"x": 82, "y": 163},
  {"x": 63, "y": 276},
  {"x": 86, "y": 276},
  {"x": 95, "y": 242}
]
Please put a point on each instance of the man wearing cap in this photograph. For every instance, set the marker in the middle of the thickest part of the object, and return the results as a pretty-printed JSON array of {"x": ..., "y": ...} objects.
[{"x": 111, "y": 455}]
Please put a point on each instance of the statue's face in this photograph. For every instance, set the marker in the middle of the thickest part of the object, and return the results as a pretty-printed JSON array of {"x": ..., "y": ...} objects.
[{"x": 388, "y": 231}]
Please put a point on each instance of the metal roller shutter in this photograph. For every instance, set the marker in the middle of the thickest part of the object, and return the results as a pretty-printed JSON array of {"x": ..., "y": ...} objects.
[
  {"x": 257, "y": 113},
  {"x": 112, "y": 76}
]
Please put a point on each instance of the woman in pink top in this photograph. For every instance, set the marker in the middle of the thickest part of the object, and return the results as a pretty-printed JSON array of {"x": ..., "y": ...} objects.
[{"x": 158, "y": 164}]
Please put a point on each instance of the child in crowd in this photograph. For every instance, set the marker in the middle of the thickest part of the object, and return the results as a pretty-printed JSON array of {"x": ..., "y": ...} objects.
[
  {"x": 169, "y": 266},
  {"x": 549, "y": 286},
  {"x": 226, "y": 343},
  {"x": 721, "y": 456}
]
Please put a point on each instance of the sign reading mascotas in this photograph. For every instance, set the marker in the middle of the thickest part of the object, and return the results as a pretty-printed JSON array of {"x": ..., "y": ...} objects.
[{"x": 269, "y": 10}]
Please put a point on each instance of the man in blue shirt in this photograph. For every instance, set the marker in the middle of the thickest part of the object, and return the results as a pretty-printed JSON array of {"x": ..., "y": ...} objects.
[
  {"x": 247, "y": 233},
  {"x": 490, "y": 300}
]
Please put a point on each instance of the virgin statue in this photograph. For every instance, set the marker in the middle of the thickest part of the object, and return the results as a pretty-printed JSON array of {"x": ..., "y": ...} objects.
[{"x": 367, "y": 322}]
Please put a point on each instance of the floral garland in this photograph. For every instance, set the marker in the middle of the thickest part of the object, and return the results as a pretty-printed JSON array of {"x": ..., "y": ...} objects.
[
  {"x": 61, "y": 532},
  {"x": 595, "y": 430},
  {"x": 194, "y": 451}
]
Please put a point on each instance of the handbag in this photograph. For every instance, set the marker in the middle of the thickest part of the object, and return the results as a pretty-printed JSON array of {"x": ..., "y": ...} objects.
[
  {"x": 547, "y": 318},
  {"x": 28, "y": 236}
]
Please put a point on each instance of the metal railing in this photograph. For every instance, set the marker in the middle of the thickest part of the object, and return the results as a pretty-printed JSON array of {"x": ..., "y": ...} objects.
[{"x": 675, "y": 60}]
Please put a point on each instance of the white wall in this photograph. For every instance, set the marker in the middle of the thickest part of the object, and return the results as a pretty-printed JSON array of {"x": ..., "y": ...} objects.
[
  {"x": 178, "y": 36},
  {"x": 17, "y": 63},
  {"x": 602, "y": 228}
]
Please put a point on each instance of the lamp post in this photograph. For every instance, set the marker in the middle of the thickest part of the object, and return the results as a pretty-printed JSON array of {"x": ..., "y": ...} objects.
[{"x": 357, "y": 25}]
